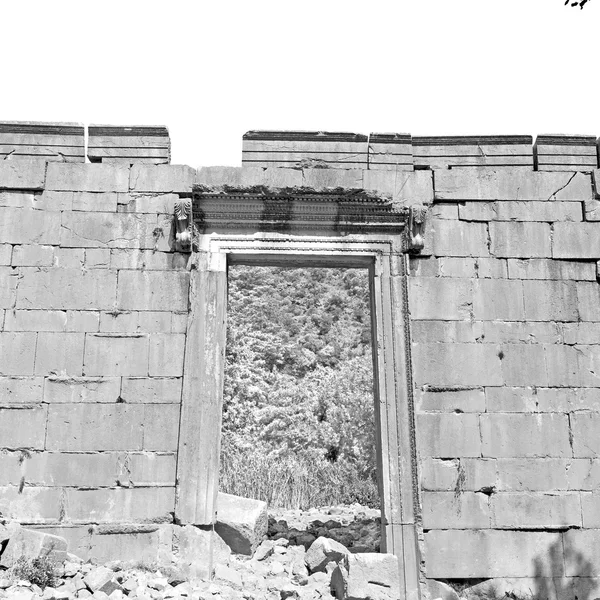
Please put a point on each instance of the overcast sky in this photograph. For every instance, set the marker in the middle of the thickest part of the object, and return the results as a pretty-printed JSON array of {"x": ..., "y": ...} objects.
[{"x": 212, "y": 70}]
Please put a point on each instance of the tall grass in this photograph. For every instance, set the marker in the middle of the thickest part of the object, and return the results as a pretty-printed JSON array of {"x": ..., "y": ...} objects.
[{"x": 294, "y": 482}]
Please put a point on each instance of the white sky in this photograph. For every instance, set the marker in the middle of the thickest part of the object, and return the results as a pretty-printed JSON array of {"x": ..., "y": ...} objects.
[{"x": 212, "y": 70}]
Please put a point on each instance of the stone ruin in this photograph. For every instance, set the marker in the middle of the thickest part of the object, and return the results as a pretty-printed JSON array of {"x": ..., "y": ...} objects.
[{"x": 483, "y": 258}]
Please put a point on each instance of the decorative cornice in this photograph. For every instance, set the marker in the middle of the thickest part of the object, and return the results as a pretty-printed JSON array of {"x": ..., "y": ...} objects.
[
  {"x": 128, "y": 131},
  {"x": 305, "y": 136},
  {"x": 566, "y": 140},
  {"x": 31, "y": 128},
  {"x": 474, "y": 140}
]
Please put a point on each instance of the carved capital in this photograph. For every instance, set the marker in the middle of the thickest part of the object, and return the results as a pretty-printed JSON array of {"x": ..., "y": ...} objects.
[
  {"x": 183, "y": 225},
  {"x": 416, "y": 228}
]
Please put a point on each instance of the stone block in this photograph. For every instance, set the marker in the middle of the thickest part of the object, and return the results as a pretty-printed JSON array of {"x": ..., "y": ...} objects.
[
  {"x": 525, "y": 435},
  {"x": 147, "y": 260},
  {"x": 161, "y": 427},
  {"x": 242, "y": 523},
  {"x": 458, "y": 267},
  {"x": 366, "y": 577},
  {"x": 483, "y": 184},
  {"x": 455, "y": 510},
  {"x": 176, "y": 179},
  {"x": 568, "y": 399},
  {"x": 498, "y": 300},
  {"x": 511, "y": 399},
  {"x": 582, "y": 551},
  {"x": 472, "y": 400},
  {"x": 108, "y": 230},
  {"x": 442, "y": 210},
  {"x": 116, "y": 354},
  {"x": 492, "y": 268},
  {"x": 59, "y": 353},
  {"x": 404, "y": 187},
  {"x": 151, "y": 390},
  {"x": 149, "y": 470},
  {"x": 33, "y": 256},
  {"x": 83, "y": 320},
  {"x": 584, "y": 430},
  {"x": 564, "y": 366},
  {"x": 137, "y": 505},
  {"x": 22, "y": 174},
  {"x": 540, "y": 268},
  {"x": 135, "y": 322},
  {"x": 322, "y": 552},
  {"x": 6, "y": 251},
  {"x": 94, "y": 201},
  {"x": 148, "y": 203},
  {"x": 198, "y": 551},
  {"x": 61, "y": 289},
  {"x": 448, "y": 435},
  {"x": 521, "y": 211},
  {"x": 56, "y": 469},
  {"x": 520, "y": 240},
  {"x": 530, "y": 510},
  {"x": 81, "y": 389},
  {"x": 15, "y": 436},
  {"x": 166, "y": 355},
  {"x": 101, "y": 579},
  {"x": 150, "y": 290},
  {"x": 476, "y": 474},
  {"x": 588, "y": 298},
  {"x": 526, "y": 332},
  {"x": 25, "y": 226},
  {"x": 487, "y": 553},
  {"x": 8, "y": 287},
  {"x": 95, "y": 427},
  {"x": 31, "y": 505},
  {"x": 590, "y": 508},
  {"x": 449, "y": 238},
  {"x": 21, "y": 390},
  {"x": 29, "y": 544},
  {"x": 73, "y": 177},
  {"x": 573, "y": 333},
  {"x": 18, "y": 199},
  {"x": 576, "y": 241},
  {"x": 591, "y": 210},
  {"x": 17, "y": 352},
  {"x": 69, "y": 258},
  {"x": 440, "y": 299},
  {"x": 550, "y": 301},
  {"x": 456, "y": 364},
  {"x": 438, "y": 475},
  {"x": 524, "y": 364},
  {"x": 532, "y": 474},
  {"x": 446, "y": 331},
  {"x": 97, "y": 258}
]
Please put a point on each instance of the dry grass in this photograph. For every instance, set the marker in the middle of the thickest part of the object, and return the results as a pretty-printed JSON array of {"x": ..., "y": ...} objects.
[{"x": 293, "y": 482}]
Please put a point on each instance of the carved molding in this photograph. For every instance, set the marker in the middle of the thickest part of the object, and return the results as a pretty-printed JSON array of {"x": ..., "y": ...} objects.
[
  {"x": 183, "y": 225},
  {"x": 416, "y": 228}
]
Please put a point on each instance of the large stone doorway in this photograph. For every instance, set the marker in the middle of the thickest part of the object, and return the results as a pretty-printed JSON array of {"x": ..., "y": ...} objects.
[{"x": 308, "y": 230}]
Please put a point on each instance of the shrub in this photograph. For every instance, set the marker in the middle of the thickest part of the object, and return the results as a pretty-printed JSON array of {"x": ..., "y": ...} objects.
[{"x": 39, "y": 571}]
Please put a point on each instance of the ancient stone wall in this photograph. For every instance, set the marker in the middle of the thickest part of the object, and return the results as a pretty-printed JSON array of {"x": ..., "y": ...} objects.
[{"x": 504, "y": 307}]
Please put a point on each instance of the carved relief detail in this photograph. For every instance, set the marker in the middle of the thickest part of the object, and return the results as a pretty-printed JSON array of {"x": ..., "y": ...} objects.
[
  {"x": 183, "y": 225},
  {"x": 416, "y": 228}
]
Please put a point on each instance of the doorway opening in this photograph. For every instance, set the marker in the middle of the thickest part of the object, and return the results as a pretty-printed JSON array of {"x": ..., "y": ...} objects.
[{"x": 299, "y": 427}]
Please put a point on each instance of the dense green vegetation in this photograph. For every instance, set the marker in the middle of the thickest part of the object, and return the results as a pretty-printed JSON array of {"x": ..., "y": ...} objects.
[{"x": 298, "y": 396}]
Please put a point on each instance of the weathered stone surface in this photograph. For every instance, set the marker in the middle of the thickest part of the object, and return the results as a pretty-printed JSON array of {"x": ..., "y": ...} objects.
[
  {"x": 513, "y": 332},
  {"x": 21, "y": 390},
  {"x": 438, "y": 589},
  {"x": 520, "y": 240},
  {"x": 32, "y": 544},
  {"x": 582, "y": 550},
  {"x": 198, "y": 551},
  {"x": 586, "y": 442},
  {"x": 512, "y": 399},
  {"x": 539, "y": 268},
  {"x": 535, "y": 510},
  {"x": 497, "y": 300},
  {"x": 449, "y": 238},
  {"x": 487, "y": 553},
  {"x": 161, "y": 178},
  {"x": 366, "y": 577},
  {"x": 150, "y": 290},
  {"x": 578, "y": 333},
  {"x": 161, "y": 427},
  {"x": 60, "y": 289},
  {"x": 60, "y": 389},
  {"x": 73, "y": 177},
  {"x": 108, "y": 230},
  {"x": 440, "y": 299},
  {"x": 101, "y": 579},
  {"x": 447, "y": 331},
  {"x": 472, "y": 400},
  {"x": 576, "y": 241},
  {"x": 15, "y": 436},
  {"x": 17, "y": 353},
  {"x": 448, "y": 435},
  {"x": 241, "y": 522},
  {"x": 35, "y": 320},
  {"x": 33, "y": 256},
  {"x": 95, "y": 427},
  {"x": 455, "y": 510},
  {"x": 149, "y": 469},
  {"x": 456, "y": 364},
  {"x": 550, "y": 301},
  {"x": 521, "y": 211},
  {"x": 404, "y": 187},
  {"x": 59, "y": 353},
  {"x": 524, "y": 364},
  {"x": 116, "y": 354},
  {"x": 511, "y": 184},
  {"x": 525, "y": 435},
  {"x": 322, "y": 552},
  {"x": 22, "y": 174},
  {"x": 588, "y": 297},
  {"x": 567, "y": 399},
  {"x": 166, "y": 355},
  {"x": 25, "y": 226},
  {"x": 159, "y": 390}
]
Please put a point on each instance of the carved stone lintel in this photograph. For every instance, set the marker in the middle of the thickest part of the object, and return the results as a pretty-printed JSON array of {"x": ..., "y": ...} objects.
[
  {"x": 183, "y": 225},
  {"x": 416, "y": 228}
]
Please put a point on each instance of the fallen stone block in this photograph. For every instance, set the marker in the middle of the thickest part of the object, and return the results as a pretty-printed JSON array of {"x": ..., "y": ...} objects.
[
  {"x": 241, "y": 522},
  {"x": 30, "y": 544},
  {"x": 438, "y": 589},
  {"x": 322, "y": 552},
  {"x": 366, "y": 577},
  {"x": 101, "y": 579},
  {"x": 196, "y": 551},
  {"x": 228, "y": 576}
]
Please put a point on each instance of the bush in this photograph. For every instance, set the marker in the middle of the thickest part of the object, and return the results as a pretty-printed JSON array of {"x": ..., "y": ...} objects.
[
  {"x": 294, "y": 482},
  {"x": 39, "y": 571}
]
